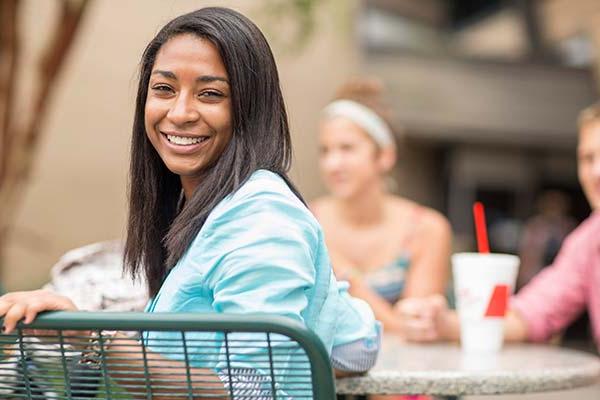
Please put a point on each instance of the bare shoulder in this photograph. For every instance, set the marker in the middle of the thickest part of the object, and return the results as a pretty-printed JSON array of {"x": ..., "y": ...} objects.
[
  {"x": 430, "y": 222},
  {"x": 435, "y": 221}
]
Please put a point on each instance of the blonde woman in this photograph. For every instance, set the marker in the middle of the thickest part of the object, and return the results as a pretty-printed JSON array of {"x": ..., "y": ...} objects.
[{"x": 392, "y": 250}]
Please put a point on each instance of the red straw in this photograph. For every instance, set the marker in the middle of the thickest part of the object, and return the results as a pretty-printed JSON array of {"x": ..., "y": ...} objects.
[{"x": 480, "y": 228}]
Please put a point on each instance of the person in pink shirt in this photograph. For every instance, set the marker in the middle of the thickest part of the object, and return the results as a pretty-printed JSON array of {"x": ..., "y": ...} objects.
[{"x": 558, "y": 294}]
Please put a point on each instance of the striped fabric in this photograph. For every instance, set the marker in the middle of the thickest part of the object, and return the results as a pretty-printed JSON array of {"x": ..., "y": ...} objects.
[
  {"x": 357, "y": 356},
  {"x": 247, "y": 384}
]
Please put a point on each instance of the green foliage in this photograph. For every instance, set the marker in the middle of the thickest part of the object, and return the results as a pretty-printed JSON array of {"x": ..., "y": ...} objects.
[{"x": 293, "y": 23}]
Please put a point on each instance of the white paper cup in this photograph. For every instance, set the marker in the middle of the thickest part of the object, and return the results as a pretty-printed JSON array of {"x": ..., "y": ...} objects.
[{"x": 483, "y": 284}]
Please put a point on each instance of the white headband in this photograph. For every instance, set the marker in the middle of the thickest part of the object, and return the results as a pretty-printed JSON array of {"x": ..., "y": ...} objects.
[{"x": 363, "y": 116}]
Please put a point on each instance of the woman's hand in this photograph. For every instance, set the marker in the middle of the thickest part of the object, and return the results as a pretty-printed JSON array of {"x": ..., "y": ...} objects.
[
  {"x": 420, "y": 317},
  {"x": 18, "y": 306}
]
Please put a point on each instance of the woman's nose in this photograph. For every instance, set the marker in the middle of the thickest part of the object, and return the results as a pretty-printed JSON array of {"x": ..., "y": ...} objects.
[
  {"x": 331, "y": 161},
  {"x": 182, "y": 110}
]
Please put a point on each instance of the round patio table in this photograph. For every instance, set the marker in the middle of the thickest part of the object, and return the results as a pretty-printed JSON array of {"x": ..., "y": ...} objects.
[{"x": 444, "y": 370}]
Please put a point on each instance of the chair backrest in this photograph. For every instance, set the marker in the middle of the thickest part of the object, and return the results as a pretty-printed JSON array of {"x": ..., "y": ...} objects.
[{"x": 170, "y": 355}]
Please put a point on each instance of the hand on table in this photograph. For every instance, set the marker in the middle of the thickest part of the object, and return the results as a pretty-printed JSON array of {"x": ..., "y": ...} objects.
[{"x": 422, "y": 319}]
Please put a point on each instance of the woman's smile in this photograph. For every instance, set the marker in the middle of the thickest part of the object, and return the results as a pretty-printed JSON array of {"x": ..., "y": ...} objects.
[{"x": 185, "y": 143}]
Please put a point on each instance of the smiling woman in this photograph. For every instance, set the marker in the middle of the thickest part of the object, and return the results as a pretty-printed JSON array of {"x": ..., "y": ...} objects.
[
  {"x": 188, "y": 108},
  {"x": 215, "y": 224}
]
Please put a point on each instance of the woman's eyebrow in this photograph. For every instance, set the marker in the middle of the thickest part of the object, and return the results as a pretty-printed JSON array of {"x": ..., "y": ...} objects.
[
  {"x": 211, "y": 78},
  {"x": 203, "y": 78},
  {"x": 166, "y": 74}
]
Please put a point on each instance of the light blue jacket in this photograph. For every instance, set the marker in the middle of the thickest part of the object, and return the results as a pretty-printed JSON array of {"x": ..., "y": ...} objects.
[{"x": 262, "y": 251}]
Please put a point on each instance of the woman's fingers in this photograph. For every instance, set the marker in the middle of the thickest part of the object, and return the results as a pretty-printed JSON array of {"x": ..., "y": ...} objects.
[
  {"x": 438, "y": 303},
  {"x": 33, "y": 309},
  {"x": 4, "y": 306},
  {"x": 411, "y": 308},
  {"x": 14, "y": 314},
  {"x": 419, "y": 317},
  {"x": 18, "y": 305},
  {"x": 419, "y": 329},
  {"x": 417, "y": 307}
]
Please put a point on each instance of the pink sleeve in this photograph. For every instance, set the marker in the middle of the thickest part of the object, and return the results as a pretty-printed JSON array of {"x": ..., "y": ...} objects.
[{"x": 556, "y": 295}]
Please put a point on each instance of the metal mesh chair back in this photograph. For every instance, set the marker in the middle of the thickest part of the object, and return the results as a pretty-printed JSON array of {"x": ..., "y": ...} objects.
[{"x": 75, "y": 355}]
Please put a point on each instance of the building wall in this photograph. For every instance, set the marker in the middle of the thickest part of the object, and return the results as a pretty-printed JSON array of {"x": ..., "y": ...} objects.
[
  {"x": 77, "y": 192},
  {"x": 566, "y": 18}
]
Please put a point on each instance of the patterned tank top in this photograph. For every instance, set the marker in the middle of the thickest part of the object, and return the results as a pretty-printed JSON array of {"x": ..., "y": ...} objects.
[{"x": 389, "y": 280}]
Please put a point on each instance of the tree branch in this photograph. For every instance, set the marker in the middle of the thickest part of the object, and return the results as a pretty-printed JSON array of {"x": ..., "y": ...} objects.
[
  {"x": 9, "y": 53},
  {"x": 23, "y": 143}
]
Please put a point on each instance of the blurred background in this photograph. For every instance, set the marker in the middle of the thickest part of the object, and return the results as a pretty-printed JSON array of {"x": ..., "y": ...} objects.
[{"x": 484, "y": 94}]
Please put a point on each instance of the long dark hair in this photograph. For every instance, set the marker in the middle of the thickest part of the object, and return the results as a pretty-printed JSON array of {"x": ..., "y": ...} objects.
[{"x": 159, "y": 231}]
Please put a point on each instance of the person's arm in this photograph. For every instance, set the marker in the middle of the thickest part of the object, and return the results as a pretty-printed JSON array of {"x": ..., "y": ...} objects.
[
  {"x": 558, "y": 293},
  {"x": 129, "y": 368},
  {"x": 355, "y": 358},
  {"x": 430, "y": 257},
  {"x": 345, "y": 270},
  {"x": 515, "y": 328},
  {"x": 358, "y": 334},
  {"x": 271, "y": 269},
  {"x": 428, "y": 275},
  {"x": 426, "y": 281},
  {"x": 548, "y": 303},
  {"x": 383, "y": 310},
  {"x": 448, "y": 326}
]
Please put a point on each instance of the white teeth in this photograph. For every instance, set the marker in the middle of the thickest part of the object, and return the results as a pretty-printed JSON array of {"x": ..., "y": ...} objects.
[{"x": 185, "y": 141}]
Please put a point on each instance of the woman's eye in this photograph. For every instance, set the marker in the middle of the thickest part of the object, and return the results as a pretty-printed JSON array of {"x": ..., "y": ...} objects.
[
  {"x": 211, "y": 94},
  {"x": 586, "y": 158},
  {"x": 162, "y": 88}
]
